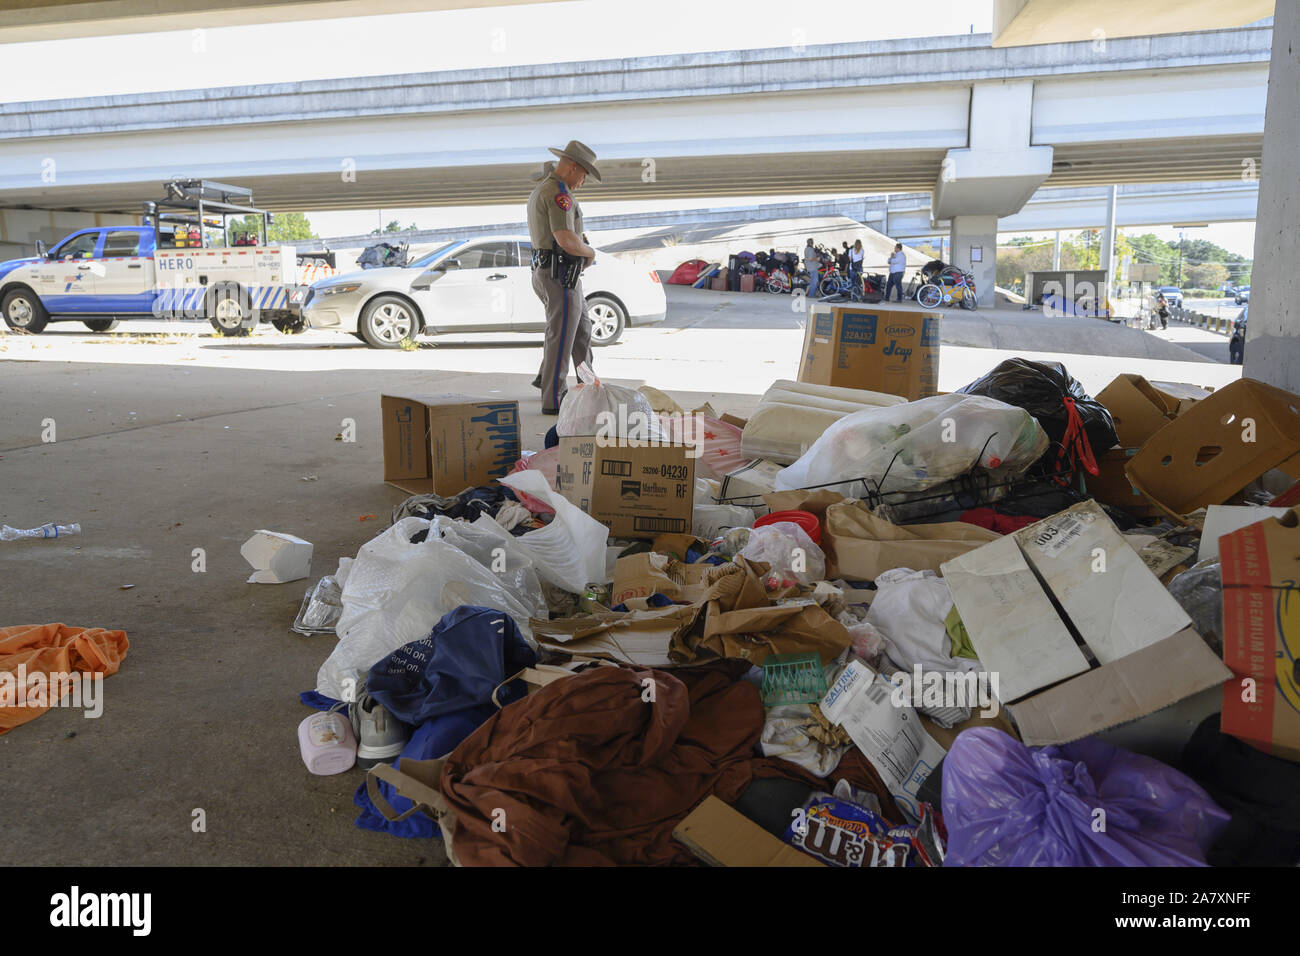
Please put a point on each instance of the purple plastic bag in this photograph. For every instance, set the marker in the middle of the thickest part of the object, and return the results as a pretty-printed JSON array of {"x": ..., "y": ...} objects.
[{"x": 1006, "y": 804}]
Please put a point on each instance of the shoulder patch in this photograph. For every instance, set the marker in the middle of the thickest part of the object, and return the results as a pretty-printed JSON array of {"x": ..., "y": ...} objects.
[{"x": 564, "y": 201}]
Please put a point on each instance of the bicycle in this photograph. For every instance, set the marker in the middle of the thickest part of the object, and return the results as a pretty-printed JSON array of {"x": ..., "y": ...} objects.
[{"x": 949, "y": 286}]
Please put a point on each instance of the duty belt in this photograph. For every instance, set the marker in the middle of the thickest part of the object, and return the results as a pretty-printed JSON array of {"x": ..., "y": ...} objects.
[{"x": 566, "y": 269}]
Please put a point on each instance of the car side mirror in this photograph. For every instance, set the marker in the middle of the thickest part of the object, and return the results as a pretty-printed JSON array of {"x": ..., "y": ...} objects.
[
  {"x": 447, "y": 264},
  {"x": 41, "y": 250}
]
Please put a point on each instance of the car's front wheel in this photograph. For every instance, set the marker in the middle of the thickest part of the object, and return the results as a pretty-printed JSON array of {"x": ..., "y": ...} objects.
[
  {"x": 608, "y": 320},
  {"x": 387, "y": 321},
  {"x": 23, "y": 311}
]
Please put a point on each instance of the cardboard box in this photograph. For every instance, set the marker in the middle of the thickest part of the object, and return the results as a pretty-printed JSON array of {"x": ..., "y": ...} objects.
[
  {"x": 722, "y": 836},
  {"x": 1120, "y": 647},
  {"x": 443, "y": 444},
  {"x": 1111, "y": 486},
  {"x": 1219, "y": 446},
  {"x": 881, "y": 350},
  {"x": 636, "y": 489},
  {"x": 1261, "y": 639},
  {"x": 1138, "y": 408},
  {"x": 747, "y": 283}
]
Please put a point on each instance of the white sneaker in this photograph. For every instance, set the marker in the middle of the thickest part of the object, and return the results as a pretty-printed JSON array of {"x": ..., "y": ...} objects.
[{"x": 380, "y": 735}]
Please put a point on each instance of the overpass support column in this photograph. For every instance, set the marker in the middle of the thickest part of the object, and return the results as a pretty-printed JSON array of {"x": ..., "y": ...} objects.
[
  {"x": 993, "y": 177},
  {"x": 974, "y": 242},
  {"x": 1108, "y": 244},
  {"x": 1273, "y": 334}
]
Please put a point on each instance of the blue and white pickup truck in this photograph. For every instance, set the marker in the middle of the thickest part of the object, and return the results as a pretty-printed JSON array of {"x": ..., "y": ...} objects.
[{"x": 183, "y": 263}]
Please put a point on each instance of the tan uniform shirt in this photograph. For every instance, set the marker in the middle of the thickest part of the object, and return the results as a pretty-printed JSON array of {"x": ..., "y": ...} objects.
[{"x": 551, "y": 207}]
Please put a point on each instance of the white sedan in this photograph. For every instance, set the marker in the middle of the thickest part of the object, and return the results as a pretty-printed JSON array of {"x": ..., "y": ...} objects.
[{"x": 476, "y": 285}]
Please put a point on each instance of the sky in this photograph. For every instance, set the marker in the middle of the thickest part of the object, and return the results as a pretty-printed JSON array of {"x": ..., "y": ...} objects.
[{"x": 466, "y": 39}]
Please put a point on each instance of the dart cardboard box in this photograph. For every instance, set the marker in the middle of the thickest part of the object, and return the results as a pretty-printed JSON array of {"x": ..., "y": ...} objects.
[{"x": 894, "y": 351}]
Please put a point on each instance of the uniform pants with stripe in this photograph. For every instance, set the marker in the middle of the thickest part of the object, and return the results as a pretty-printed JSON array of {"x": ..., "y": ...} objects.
[{"x": 568, "y": 333}]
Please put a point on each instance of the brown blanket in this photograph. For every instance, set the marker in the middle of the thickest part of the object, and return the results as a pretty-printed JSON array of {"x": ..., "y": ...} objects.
[{"x": 586, "y": 772}]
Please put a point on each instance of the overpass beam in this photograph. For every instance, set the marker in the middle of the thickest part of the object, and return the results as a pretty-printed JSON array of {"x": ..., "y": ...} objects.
[
  {"x": 1273, "y": 334},
  {"x": 994, "y": 176}
]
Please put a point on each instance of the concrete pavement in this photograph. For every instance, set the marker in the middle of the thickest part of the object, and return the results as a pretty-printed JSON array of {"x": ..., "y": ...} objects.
[{"x": 162, "y": 447}]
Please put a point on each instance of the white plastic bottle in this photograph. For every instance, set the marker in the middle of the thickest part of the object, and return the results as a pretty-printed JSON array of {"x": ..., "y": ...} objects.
[{"x": 50, "y": 530}]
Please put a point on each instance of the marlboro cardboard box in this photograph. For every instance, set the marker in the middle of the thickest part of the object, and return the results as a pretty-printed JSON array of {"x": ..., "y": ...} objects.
[{"x": 636, "y": 489}]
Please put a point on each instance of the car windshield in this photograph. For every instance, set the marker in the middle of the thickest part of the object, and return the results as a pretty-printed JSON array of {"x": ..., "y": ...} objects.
[{"x": 427, "y": 260}]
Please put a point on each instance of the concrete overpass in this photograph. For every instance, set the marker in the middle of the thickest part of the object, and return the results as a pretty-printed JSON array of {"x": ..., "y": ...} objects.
[
  {"x": 981, "y": 128},
  {"x": 907, "y": 215}
]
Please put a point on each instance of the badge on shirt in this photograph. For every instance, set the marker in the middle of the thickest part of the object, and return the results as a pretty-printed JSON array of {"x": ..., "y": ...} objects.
[{"x": 564, "y": 201}]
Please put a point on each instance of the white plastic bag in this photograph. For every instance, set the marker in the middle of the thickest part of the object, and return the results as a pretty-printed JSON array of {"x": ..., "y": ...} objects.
[
  {"x": 919, "y": 444},
  {"x": 910, "y": 610},
  {"x": 570, "y": 551},
  {"x": 397, "y": 591},
  {"x": 793, "y": 557},
  {"x": 594, "y": 408}
]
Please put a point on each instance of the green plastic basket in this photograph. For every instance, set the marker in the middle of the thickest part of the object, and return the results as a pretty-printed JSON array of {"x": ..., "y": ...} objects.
[{"x": 792, "y": 679}]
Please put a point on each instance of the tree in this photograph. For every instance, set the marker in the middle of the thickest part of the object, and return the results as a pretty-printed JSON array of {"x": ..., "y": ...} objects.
[
  {"x": 1208, "y": 275},
  {"x": 288, "y": 226}
]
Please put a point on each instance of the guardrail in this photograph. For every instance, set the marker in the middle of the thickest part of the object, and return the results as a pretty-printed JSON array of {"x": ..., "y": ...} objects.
[{"x": 1211, "y": 323}]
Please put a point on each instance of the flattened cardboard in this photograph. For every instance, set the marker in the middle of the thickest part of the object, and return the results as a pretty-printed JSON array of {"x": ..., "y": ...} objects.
[
  {"x": 635, "y": 637},
  {"x": 1108, "y": 593},
  {"x": 636, "y": 490},
  {"x": 723, "y": 836},
  {"x": 1203, "y": 458},
  {"x": 1011, "y": 622},
  {"x": 881, "y": 350},
  {"x": 1017, "y": 631},
  {"x": 443, "y": 444},
  {"x": 1140, "y": 684},
  {"x": 860, "y": 545},
  {"x": 1261, "y": 640},
  {"x": 641, "y": 575}
]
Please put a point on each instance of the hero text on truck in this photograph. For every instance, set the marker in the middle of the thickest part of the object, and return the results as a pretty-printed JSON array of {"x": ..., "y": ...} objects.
[{"x": 200, "y": 253}]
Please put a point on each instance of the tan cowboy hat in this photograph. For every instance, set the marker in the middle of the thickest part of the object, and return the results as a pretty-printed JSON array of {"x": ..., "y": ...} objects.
[
  {"x": 581, "y": 154},
  {"x": 548, "y": 167}
]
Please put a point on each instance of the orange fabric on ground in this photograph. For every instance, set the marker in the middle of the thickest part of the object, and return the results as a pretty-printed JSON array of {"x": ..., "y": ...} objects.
[{"x": 53, "y": 648}]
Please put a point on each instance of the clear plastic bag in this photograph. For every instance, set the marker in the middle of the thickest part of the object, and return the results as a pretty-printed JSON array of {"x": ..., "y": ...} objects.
[
  {"x": 786, "y": 547},
  {"x": 321, "y": 607},
  {"x": 919, "y": 444},
  {"x": 594, "y": 408},
  {"x": 712, "y": 521},
  {"x": 1199, "y": 591},
  {"x": 397, "y": 591}
]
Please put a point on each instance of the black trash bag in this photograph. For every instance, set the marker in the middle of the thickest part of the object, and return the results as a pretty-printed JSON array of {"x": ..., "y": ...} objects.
[
  {"x": 1262, "y": 792},
  {"x": 1039, "y": 388}
]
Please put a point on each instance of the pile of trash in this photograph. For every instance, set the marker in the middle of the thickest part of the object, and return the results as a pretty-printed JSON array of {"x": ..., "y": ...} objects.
[{"x": 898, "y": 639}]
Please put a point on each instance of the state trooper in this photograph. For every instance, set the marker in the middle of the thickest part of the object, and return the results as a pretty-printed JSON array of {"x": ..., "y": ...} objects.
[{"x": 560, "y": 253}]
